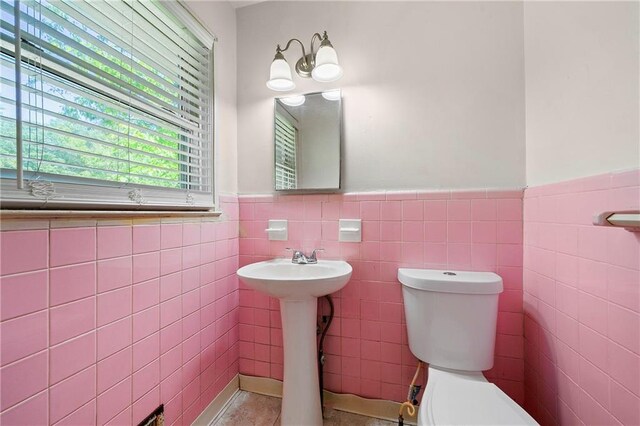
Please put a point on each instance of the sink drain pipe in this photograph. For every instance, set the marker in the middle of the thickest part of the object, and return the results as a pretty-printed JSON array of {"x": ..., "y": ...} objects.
[{"x": 322, "y": 331}]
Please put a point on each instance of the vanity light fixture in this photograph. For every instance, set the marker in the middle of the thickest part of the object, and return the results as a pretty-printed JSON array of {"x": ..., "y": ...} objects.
[
  {"x": 332, "y": 95},
  {"x": 293, "y": 101},
  {"x": 322, "y": 65}
]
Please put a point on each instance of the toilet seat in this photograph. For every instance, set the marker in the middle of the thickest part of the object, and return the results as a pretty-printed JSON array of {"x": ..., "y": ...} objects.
[{"x": 467, "y": 398}]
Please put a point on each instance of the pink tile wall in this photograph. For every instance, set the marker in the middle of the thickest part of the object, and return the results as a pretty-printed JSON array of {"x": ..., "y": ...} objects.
[
  {"x": 366, "y": 348},
  {"x": 582, "y": 303},
  {"x": 101, "y": 324}
]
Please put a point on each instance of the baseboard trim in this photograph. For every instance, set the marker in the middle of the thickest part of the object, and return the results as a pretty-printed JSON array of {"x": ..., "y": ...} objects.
[
  {"x": 379, "y": 408},
  {"x": 218, "y": 404},
  {"x": 261, "y": 385}
]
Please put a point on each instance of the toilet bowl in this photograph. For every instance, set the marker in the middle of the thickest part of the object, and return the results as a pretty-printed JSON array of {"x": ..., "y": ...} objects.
[
  {"x": 451, "y": 324},
  {"x": 467, "y": 398}
]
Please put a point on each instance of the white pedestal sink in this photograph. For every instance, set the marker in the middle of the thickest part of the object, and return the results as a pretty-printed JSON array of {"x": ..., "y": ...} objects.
[{"x": 298, "y": 287}]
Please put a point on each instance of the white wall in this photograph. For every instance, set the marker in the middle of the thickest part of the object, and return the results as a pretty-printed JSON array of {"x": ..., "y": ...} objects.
[
  {"x": 450, "y": 112},
  {"x": 220, "y": 18},
  {"x": 433, "y": 91},
  {"x": 581, "y": 89}
]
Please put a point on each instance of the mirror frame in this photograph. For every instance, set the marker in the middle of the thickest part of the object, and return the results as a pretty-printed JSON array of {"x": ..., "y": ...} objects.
[{"x": 340, "y": 147}]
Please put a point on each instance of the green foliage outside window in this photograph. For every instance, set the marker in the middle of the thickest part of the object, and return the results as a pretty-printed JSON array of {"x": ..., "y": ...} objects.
[{"x": 93, "y": 135}]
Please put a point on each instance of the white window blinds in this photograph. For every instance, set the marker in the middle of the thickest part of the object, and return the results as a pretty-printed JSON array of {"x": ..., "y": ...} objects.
[
  {"x": 285, "y": 136},
  {"x": 115, "y": 105}
]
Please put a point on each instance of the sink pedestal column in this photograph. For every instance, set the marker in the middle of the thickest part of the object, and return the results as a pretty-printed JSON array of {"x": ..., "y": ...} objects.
[{"x": 300, "y": 393}]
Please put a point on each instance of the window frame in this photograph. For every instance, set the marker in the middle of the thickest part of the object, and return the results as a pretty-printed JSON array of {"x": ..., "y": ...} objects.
[
  {"x": 278, "y": 116},
  {"x": 78, "y": 193}
]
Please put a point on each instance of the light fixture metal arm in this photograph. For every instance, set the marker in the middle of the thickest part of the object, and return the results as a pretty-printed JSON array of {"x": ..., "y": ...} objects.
[
  {"x": 304, "y": 53},
  {"x": 307, "y": 60},
  {"x": 313, "y": 37}
]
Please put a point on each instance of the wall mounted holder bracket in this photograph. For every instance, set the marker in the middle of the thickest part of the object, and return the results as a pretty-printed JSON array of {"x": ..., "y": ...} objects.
[
  {"x": 278, "y": 230},
  {"x": 350, "y": 230},
  {"x": 629, "y": 219}
]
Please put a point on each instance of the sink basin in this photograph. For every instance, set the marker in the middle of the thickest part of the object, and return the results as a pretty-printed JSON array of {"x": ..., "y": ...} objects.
[
  {"x": 285, "y": 280},
  {"x": 298, "y": 288}
]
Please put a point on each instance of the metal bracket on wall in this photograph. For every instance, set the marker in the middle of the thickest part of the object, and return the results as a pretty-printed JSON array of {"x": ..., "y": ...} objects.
[{"x": 629, "y": 219}]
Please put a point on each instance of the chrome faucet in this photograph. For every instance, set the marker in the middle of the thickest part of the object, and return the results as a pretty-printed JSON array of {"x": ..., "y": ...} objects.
[{"x": 301, "y": 259}]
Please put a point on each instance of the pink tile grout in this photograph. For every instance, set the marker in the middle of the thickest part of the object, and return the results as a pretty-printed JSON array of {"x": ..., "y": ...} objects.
[
  {"x": 595, "y": 342},
  {"x": 395, "y": 228},
  {"x": 237, "y": 314},
  {"x": 225, "y": 278}
]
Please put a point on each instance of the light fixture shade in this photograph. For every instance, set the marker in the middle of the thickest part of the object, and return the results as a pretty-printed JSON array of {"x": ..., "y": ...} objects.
[
  {"x": 280, "y": 76},
  {"x": 326, "y": 68},
  {"x": 293, "y": 101}
]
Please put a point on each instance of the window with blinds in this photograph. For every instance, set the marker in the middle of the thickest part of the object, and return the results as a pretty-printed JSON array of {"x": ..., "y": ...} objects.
[
  {"x": 114, "y": 105},
  {"x": 285, "y": 136}
]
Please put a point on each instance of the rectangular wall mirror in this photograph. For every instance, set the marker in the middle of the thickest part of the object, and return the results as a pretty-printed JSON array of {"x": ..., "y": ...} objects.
[{"x": 307, "y": 137}]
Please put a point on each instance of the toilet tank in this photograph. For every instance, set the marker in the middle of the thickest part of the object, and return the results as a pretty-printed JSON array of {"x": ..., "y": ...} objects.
[{"x": 451, "y": 316}]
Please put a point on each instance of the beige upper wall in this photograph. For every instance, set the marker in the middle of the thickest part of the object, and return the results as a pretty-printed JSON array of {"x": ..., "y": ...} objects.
[
  {"x": 433, "y": 91},
  {"x": 220, "y": 18},
  {"x": 582, "y": 91}
]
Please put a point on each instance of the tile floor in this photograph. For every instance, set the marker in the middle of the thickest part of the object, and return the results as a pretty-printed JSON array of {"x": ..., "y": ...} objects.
[{"x": 248, "y": 408}]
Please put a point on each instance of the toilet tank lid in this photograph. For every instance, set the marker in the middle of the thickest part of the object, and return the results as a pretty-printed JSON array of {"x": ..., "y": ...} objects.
[{"x": 441, "y": 281}]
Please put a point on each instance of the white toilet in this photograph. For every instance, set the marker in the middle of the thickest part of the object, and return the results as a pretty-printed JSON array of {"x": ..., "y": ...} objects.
[{"x": 451, "y": 322}]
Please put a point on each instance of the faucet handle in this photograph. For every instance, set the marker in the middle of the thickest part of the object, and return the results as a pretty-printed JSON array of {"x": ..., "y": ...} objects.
[
  {"x": 313, "y": 253},
  {"x": 297, "y": 257}
]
